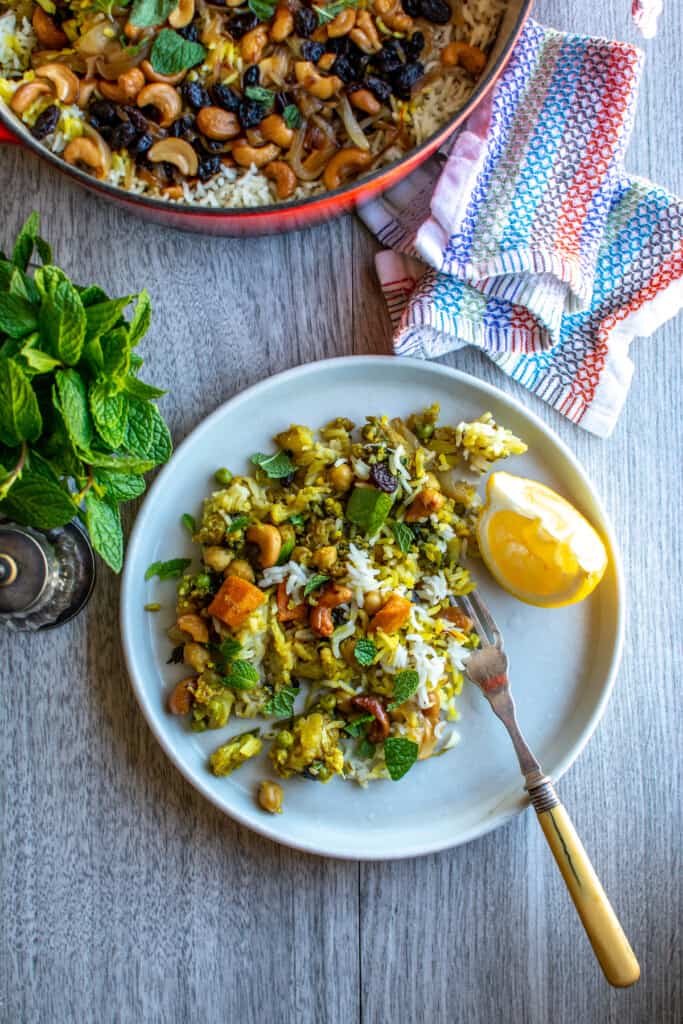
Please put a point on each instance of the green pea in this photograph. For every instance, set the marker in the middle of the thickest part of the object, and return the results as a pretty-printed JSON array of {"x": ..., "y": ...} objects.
[
  {"x": 203, "y": 581},
  {"x": 223, "y": 475},
  {"x": 328, "y": 702},
  {"x": 284, "y": 739}
]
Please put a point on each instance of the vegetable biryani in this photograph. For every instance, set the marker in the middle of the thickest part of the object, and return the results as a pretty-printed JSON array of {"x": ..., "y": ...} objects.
[
  {"x": 326, "y": 597},
  {"x": 239, "y": 102}
]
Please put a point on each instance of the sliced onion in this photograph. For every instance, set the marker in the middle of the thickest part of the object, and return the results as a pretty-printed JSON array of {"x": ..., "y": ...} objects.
[
  {"x": 96, "y": 39},
  {"x": 309, "y": 105},
  {"x": 353, "y": 129},
  {"x": 116, "y": 60},
  {"x": 314, "y": 163},
  {"x": 325, "y": 127}
]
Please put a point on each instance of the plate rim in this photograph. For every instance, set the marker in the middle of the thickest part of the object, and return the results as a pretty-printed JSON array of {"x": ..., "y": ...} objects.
[{"x": 264, "y": 828}]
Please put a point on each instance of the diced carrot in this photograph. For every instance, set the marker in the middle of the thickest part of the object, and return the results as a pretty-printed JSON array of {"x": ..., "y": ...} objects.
[
  {"x": 298, "y": 613},
  {"x": 458, "y": 618},
  {"x": 235, "y": 601},
  {"x": 391, "y": 615}
]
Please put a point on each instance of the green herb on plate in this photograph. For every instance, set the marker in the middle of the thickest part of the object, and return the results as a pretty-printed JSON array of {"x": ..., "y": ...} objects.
[
  {"x": 171, "y": 53},
  {"x": 281, "y": 704},
  {"x": 400, "y": 755},
  {"x": 188, "y": 522},
  {"x": 368, "y": 508},
  {"x": 170, "y": 570},
  {"x": 405, "y": 685},
  {"x": 276, "y": 466},
  {"x": 315, "y": 582},
  {"x": 242, "y": 676},
  {"x": 365, "y": 651}
]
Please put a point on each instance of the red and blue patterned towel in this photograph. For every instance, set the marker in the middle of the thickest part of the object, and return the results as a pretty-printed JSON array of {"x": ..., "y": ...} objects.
[{"x": 539, "y": 248}]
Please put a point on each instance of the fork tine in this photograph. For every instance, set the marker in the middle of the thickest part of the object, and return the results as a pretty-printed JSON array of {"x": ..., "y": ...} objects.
[
  {"x": 485, "y": 615},
  {"x": 478, "y": 623}
]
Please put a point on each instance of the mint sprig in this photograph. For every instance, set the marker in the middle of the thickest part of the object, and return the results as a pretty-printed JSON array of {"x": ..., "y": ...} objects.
[
  {"x": 276, "y": 466},
  {"x": 281, "y": 704},
  {"x": 400, "y": 755},
  {"x": 405, "y": 685},
  {"x": 77, "y": 427},
  {"x": 241, "y": 676},
  {"x": 365, "y": 651},
  {"x": 172, "y": 53},
  {"x": 169, "y": 570},
  {"x": 404, "y": 536}
]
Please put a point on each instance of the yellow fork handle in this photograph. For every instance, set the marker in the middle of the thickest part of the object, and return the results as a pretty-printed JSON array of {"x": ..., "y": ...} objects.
[{"x": 606, "y": 935}]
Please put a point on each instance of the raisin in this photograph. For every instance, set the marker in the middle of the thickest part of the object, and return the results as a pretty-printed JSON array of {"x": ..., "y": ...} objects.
[
  {"x": 103, "y": 111},
  {"x": 380, "y": 89},
  {"x": 436, "y": 11},
  {"x": 46, "y": 123},
  {"x": 240, "y": 24},
  {"x": 412, "y": 7},
  {"x": 196, "y": 95},
  {"x": 214, "y": 145},
  {"x": 387, "y": 60},
  {"x": 305, "y": 22},
  {"x": 339, "y": 44},
  {"x": 136, "y": 118},
  {"x": 382, "y": 478},
  {"x": 251, "y": 113},
  {"x": 209, "y": 166},
  {"x": 252, "y": 76},
  {"x": 312, "y": 51},
  {"x": 143, "y": 145},
  {"x": 338, "y": 616},
  {"x": 122, "y": 136},
  {"x": 405, "y": 78},
  {"x": 344, "y": 69},
  {"x": 226, "y": 98},
  {"x": 182, "y": 126},
  {"x": 190, "y": 32},
  {"x": 414, "y": 46}
]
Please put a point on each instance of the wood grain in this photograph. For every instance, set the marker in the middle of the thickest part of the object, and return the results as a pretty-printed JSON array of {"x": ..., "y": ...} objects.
[{"x": 126, "y": 897}]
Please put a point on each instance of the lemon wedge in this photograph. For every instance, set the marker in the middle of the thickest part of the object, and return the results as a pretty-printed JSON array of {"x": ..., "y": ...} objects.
[{"x": 536, "y": 545}]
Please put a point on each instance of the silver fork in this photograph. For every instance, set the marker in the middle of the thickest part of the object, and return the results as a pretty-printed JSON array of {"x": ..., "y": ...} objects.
[{"x": 487, "y": 667}]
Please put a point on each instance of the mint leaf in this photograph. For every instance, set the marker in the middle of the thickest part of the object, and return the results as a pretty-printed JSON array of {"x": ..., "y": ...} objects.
[
  {"x": 274, "y": 466},
  {"x": 146, "y": 13},
  {"x": 35, "y": 359},
  {"x": 188, "y": 522},
  {"x": 365, "y": 748},
  {"x": 364, "y": 652},
  {"x": 230, "y": 648},
  {"x": 357, "y": 726},
  {"x": 35, "y": 500},
  {"x": 104, "y": 526},
  {"x": 169, "y": 570},
  {"x": 296, "y": 520},
  {"x": 142, "y": 317},
  {"x": 17, "y": 316},
  {"x": 72, "y": 402},
  {"x": 405, "y": 685},
  {"x": 118, "y": 463},
  {"x": 115, "y": 352},
  {"x": 103, "y": 316},
  {"x": 291, "y": 116},
  {"x": 262, "y": 9},
  {"x": 368, "y": 508},
  {"x": 22, "y": 286},
  {"x": 23, "y": 247},
  {"x": 281, "y": 704},
  {"x": 109, "y": 412},
  {"x": 146, "y": 433},
  {"x": 242, "y": 676},
  {"x": 330, "y": 11},
  {"x": 20, "y": 418},
  {"x": 138, "y": 389},
  {"x": 400, "y": 755},
  {"x": 261, "y": 95},
  {"x": 171, "y": 53},
  {"x": 404, "y": 536},
  {"x": 315, "y": 582},
  {"x": 120, "y": 486},
  {"x": 238, "y": 523},
  {"x": 62, "y": 314}
]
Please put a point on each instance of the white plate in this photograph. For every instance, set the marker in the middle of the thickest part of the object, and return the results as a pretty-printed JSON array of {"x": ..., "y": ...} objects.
[{"x": 563, "y": 662}]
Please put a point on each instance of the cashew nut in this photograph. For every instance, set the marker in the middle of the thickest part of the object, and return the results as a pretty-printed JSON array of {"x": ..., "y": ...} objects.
[
  {"x": 268, "y": 540},
  {"x": 49, "y": 35},
  {"x": 175, "y": 151},
  {"x": 180, "y": 701},
  {"x": 86, "y": 151},
  {"x": 392, "y": 14},
  {"x": 364, "y": 100},
  {"x": 283, "y": 24},
  {"x": 364, "y": 35},
  {"x": 253, "y": 44},
  {"x": 64, "y": 81},
  {"x": 165, "y": 98},
  {"x": 274, "y": 129},
  {"x": 283, "y": 176},
  {"x": 126, "y": 87},
  {"x": 27, "y": 94},
  {"x": 326, "y": 61},
  {"x": 246, "y": 155},
  {"x": 270, "y": 797},
  {"x": 315, "y": 83},
  {"x": 344, "y": 163},
  {"x": 86, "y": 88},
  {"x": 196, "y": 656},
  {"x": 195, "y": 625},
  {"x": 342, "y": 24},
  {"x": 471, "y": 58},
  {"x": 153, "y": 76},
  {"x": 334, "y": 594},
  {"x": 321, "y": 621},
  {"x": 182, "y": 15},
  {"x": 219, "y": 124}
]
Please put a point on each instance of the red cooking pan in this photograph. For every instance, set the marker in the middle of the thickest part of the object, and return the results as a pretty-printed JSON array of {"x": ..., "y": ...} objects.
[{"x": 295, "y": 214}]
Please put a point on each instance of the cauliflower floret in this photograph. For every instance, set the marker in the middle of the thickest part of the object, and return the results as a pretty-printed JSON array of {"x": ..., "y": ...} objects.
[
  {"x": 310, "y": 749},
  {"x": 235, "y": 752}
]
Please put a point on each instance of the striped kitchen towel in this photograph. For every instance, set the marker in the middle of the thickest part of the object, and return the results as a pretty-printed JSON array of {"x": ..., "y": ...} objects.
[{"x": 539, "y": 248}]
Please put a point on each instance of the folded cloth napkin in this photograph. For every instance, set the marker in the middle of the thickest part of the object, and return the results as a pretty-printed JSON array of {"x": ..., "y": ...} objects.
[{"x": 539, "y": 248}]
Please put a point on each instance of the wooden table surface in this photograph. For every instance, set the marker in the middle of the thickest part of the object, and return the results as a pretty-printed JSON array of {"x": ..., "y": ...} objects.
[{"x": 127, "y": 897}]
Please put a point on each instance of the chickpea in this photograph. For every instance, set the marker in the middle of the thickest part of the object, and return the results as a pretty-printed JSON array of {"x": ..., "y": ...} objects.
[
  {"x": 425, "y": 504},
  {"x": 324, "y": 558},
  {"x": 373, "y": 602},
  {"x": 240, "y": 567},
  {"x": 196, "y": 656},
  {"x": 270, "y": 796},
  {"x": 341, "y": 477},
  {"x": 217, "y": 558}
]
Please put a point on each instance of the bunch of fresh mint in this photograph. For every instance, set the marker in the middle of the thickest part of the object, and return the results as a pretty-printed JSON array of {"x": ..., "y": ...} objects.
[{"x": 77, "y": 427}]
